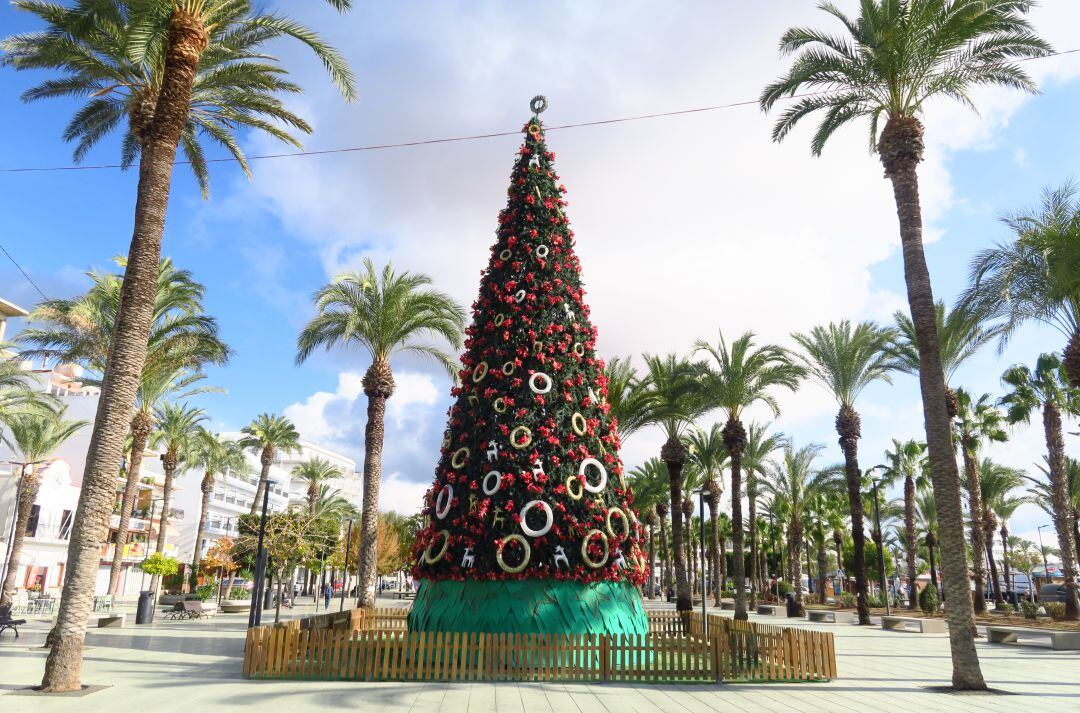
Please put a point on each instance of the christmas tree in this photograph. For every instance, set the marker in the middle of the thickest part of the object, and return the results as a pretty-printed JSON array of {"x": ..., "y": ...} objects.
[{"x": 530, "y": 524}]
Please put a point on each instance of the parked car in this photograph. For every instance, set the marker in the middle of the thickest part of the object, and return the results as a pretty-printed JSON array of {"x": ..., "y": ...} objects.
[{"x": 1052, "y": 593}]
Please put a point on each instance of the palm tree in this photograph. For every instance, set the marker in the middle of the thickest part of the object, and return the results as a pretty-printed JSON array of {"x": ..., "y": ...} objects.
[
  {"x": 889, "y": 62},
  {"x": 759, "y": 446},
  {"x": 737, "y": 378},
  {"x": 836, "y": 518},
  {"x": 845, "y": 359},
  {"x": 1035, "y": 278},
  {"x": 266, "y": 436},
  {"x": 213, "y": 455},
  {"x": 383, "y": 313},
  {"x": 15, "y": 390},
  {"x": 906, "y": 462},
  {"x": 175, "y": 69},
  {"x": 178, "y": 427},
  {"x": 37, "y": 431},
  {"x": 1043, "y": 495},
  {"x": 629, "y": 402},
  {"x": 926, "y": 515},
  {"x": 997, "y": 482},
  {"x": 707, "y": 451},
  {"x": 1047, "y": 389},
  {"x": 796, "y": 482},
  {"x": 977, "y": 422},
  {"x": 649, "y": 483},
  {"x": 674, "y": 402},
  {"x": 315, "y": 472},
  {"x": 182, "y": 340}
]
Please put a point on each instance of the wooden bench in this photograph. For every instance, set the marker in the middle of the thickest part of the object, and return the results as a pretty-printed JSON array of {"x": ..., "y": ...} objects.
[
  {"x": 6, "y": 622},
  {"x": 922, "y": 625},
  {"x": 830, "y": 616},
  {"x": 1059, "y": 640}
]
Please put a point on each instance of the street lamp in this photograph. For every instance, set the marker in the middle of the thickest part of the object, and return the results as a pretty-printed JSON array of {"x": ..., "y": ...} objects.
[
  {"x": 1046, "y": 567},
  {"x": 255, "y": 613},
  {"x": 880, "y": 539}
]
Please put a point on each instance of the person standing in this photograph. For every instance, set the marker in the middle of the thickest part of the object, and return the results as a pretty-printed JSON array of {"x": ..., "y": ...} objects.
[{"x": 327, "y": 593}]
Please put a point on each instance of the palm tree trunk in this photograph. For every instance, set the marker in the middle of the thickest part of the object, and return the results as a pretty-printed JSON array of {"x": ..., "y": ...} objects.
[
  {"x": 665, "y": 565},
  {"x": 838, "y": 543},
  {"x": 651, "y": 592},
  {"x": 848, "y": 425},
  {"x": 931, "y": 547},
  {"x": 277, "y": 599},
  {"x": 978, "y": 542},
  {"x": 900, "y": 150},
  {"x": 796, "y": 563},
  {"x": 1005, "y": 554},
  {"x": 821, "y": 566},
  {"x": 378, "y": 387},
  {"x": 751, "y": 497},
  {"x": 1059, "y": 494},
  {"x": 735, "y": 440},
  {"x": 673, "y": 453},
  {"x": 30, "y": 486},
  {"x": 266, "y": 459},
  {"x": 140, "y": 434},
  {"x": 911, "y": 540},
  {"x": 1072, "y": 359},
  {"x": 163, "y": 524},
  {"x": 714, "y": 545},
  {"x": 207, "y": 487},
  {"x": 998, "y": 599}
]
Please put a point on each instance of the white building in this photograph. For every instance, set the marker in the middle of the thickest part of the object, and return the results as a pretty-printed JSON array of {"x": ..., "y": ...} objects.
[{"x": 348, "y": 485}]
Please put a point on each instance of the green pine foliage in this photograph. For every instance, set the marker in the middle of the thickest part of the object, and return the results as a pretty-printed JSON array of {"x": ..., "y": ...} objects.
[{"x": 530, "y": 485}]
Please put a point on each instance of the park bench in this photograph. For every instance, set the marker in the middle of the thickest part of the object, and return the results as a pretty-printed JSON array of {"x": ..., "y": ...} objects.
[
  {"x": 922, "y": 625},
  {"x": 1059, "y": 640},
  {"x": 6, "y": 622},
  {"x": 111, "y": 621},
  {"x": 198, "y": 610},
  {"x": 830, "y": 616}
]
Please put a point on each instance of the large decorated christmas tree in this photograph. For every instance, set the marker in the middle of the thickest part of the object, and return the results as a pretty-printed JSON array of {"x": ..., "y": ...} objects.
[{"x": 530, "y": 528}]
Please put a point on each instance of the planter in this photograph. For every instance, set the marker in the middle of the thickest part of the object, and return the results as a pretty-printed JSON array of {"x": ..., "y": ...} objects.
[{"x": 236, "y": 607}]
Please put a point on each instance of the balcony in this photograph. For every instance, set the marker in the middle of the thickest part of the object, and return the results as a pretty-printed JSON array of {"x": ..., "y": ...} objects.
[{"x": 134, "y": 551}]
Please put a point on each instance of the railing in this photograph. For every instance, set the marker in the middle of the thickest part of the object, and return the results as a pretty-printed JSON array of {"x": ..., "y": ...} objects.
[{"x": 374, "y": 645}]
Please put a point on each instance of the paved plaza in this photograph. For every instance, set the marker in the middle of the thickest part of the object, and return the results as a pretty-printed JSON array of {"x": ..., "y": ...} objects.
[{"x": 190, "y": 666}]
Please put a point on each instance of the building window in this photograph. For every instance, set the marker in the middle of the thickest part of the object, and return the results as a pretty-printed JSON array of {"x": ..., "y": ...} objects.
[
  {"x": 65, "y": 525},
  {"x": 32, "y": 523}
]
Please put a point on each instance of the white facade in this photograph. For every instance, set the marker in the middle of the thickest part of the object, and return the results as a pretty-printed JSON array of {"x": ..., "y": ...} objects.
[{"x": 348, "y": 485}]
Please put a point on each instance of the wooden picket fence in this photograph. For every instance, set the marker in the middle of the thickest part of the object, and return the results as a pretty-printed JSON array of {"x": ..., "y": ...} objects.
[{"x": 376, "y": 647}]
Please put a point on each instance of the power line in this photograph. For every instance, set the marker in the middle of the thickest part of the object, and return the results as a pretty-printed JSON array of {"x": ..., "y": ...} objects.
[
  {"x": 34, "y": 284},
  {"x": 455, "y": 139}
]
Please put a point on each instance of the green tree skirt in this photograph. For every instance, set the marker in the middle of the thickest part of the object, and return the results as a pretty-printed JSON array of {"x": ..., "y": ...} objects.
[{"x": 530, "y": 606}]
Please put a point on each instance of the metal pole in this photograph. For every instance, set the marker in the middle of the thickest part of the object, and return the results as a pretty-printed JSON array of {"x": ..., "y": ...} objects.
[
  {"x": 255, "y": 613},
  {"x": 704, "y": 596},
  {"x": 345, "y": 567},
  {"x": 880, "y": 549}
]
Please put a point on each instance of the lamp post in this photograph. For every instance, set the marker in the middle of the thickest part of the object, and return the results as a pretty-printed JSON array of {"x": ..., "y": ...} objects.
[
  {"x": 1042, "y": 547},
  {"x": 255, "y": 613},
  {"x": 880, "y": 541}
]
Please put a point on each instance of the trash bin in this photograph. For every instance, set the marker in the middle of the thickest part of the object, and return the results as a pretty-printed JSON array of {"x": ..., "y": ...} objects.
[{"x": 144, "y": 614}]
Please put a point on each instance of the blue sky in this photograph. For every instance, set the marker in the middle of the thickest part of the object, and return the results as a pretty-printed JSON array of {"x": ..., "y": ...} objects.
[{"x": 685, "y": 225}]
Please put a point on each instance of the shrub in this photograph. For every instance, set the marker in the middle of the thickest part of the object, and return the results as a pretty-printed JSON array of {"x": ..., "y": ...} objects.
[
  {"x": 1006, "y": 607},
  {"x": 206, "y": 591},
  {"x": 785, "y": 588},
  {"x": 239, "y": 593},
  {"x": 160, "y": 565},
  {"x": 1030, "y": 610},
  {"x": 847, "y": 600},
  {"x": 727, "y": 593},
  {"x": 1055, "y": 610},
  {"x": 929, "y": 601}
]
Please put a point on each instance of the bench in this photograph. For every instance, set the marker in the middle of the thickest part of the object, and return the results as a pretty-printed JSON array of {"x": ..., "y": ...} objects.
[
  {"x": 923, "y": 625},
  {"x": 111, "y": 621},
  {"x": 1059, "y": 640},
  {"x": 771, "y": 610},
  {"x": 6, "y": 622},
  {"x": 190, "y": 610},
  {"x": 830, "y": 616}
]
